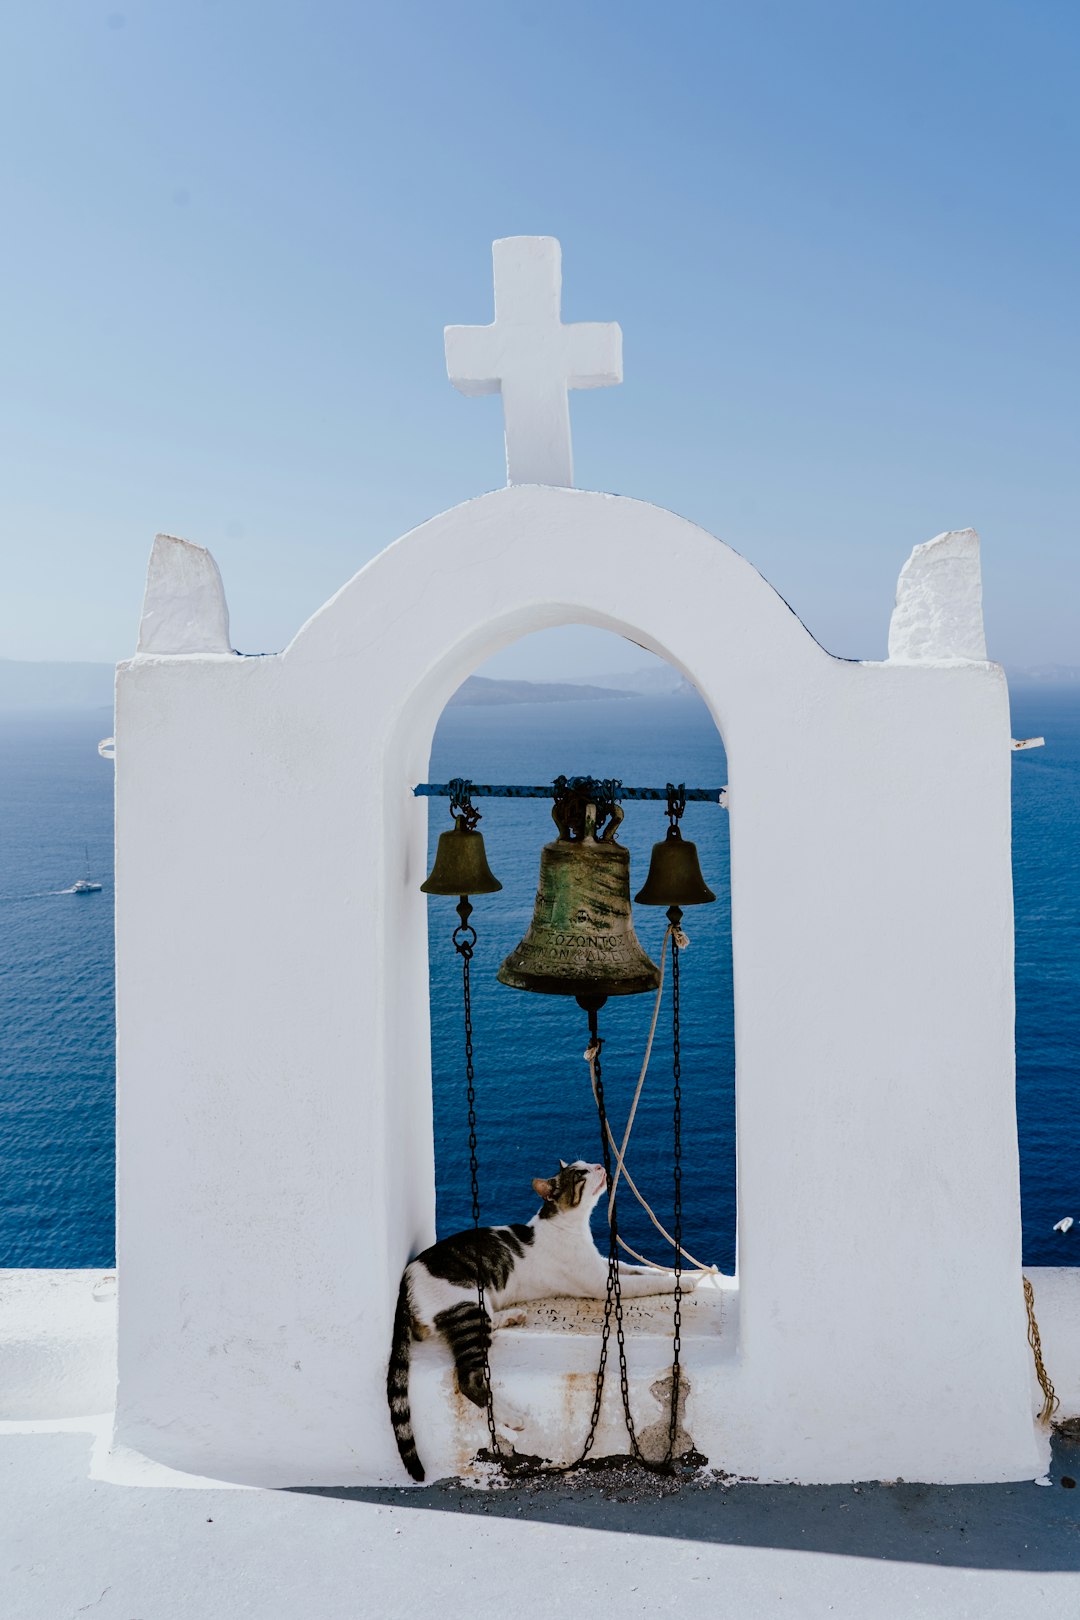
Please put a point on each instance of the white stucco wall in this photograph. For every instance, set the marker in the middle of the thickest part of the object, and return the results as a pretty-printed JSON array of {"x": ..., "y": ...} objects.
[{"x": 275, "y": 1164}]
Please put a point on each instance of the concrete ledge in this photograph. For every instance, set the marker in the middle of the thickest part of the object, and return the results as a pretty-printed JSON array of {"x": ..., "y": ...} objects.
[
  {"x": 544, "y": 1379},
  {"x": 57, "y": 1343},
  {"x": 58, "y": 1361}
]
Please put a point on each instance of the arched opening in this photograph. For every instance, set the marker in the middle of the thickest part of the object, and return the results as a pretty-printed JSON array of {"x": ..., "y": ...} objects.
[
  {"x": 609, "y": 710},
  {"x": 476, "y": 581}
]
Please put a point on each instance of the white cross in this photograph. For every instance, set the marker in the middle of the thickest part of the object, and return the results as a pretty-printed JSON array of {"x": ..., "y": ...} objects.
[{"x": 531, "y": 358}]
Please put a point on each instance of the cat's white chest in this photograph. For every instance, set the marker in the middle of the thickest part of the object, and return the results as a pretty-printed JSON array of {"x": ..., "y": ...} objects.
[{"x": 559, "y": 1262}]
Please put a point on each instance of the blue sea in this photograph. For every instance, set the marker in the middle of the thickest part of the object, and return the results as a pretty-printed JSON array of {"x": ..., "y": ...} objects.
[{"x": 533, "y": 1098}]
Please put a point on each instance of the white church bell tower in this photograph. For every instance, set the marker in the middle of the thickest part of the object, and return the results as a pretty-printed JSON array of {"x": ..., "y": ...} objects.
[{"x": 275, "y": 1154}]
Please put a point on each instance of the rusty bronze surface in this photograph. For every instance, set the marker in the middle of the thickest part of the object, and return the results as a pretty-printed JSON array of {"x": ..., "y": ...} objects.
[
  {"x": 461, "y": 864},
  {"x": 674, "y": 874},
  {"x": 581, "y": 939}
]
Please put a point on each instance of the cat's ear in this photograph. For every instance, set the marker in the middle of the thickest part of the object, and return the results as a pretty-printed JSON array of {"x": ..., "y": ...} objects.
[
  {"x": 562, "y": 1164},
  {"x": 543, "y": 1189}
]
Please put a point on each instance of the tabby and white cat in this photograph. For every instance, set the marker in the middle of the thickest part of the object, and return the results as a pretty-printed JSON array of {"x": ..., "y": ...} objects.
[{"x": 553, "y": 1254}]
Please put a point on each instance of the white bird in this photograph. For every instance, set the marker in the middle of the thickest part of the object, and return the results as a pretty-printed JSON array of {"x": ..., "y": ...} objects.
[{"x": 1064, "y": 1224}]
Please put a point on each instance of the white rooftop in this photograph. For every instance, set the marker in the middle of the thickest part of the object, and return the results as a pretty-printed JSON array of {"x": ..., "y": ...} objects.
[
  {"x": 90, "y": 1528},
  {"x": 74, "y": 1546}
]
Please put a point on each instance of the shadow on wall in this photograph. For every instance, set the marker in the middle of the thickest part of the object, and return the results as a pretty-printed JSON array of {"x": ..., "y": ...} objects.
[{"x": 1017, "y": 1527}]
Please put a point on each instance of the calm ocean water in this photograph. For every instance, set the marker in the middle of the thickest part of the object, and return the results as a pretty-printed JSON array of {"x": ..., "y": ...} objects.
[{"x": 56, "y": 986}]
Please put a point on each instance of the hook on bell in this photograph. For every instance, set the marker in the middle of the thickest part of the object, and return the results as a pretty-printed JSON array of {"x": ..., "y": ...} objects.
[
  {"x": 460, "y": 865},
  {"x": 674, "y": 869}
]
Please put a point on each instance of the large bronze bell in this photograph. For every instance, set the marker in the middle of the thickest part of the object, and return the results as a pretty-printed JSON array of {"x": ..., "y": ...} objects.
[
  {"x": 581, "y": 939},
  {"x": 461, "y": 863},
  {"x": 674, "y": 874}
]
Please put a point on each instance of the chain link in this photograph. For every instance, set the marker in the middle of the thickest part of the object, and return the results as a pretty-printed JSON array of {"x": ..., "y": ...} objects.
[
  {"x": 464, "y": 939},
  {"x": 613, "y": 1305},
  {"x": 464, "y": 943},
  {"x": 675, "y": 917},
  {"x": 595, "y": 1045}
]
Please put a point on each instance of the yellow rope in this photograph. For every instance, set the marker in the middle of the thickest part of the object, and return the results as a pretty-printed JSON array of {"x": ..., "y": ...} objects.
[{"x": 1050, "y": 1401}]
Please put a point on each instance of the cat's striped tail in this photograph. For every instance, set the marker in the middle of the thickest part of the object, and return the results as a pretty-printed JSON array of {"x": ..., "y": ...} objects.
[{"x": 397, "y": 1384}]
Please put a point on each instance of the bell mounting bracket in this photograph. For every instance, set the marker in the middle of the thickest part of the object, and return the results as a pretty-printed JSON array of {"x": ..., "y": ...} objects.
[
  {"x": 586, "y": 807},
  {"x": 461, "y": 804},
  {"x": 676, "y": 805}
]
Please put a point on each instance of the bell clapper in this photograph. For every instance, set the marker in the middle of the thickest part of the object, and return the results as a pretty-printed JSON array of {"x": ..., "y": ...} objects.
[
  {"x": 679, "y": 940},
  {"x": 591, "y": 1006},
  {"x": 464, "y": 935}
]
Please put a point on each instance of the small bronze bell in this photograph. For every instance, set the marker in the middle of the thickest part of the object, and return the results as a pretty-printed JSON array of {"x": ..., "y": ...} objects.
[
  {"x": 461, "y": 863},
  {"x": 581, "y": 939},
  {"x": 674, "y": 874}
]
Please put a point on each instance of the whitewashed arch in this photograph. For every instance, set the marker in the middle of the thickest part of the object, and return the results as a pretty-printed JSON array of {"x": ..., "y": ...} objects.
[{"x": 274, "y": 1057}]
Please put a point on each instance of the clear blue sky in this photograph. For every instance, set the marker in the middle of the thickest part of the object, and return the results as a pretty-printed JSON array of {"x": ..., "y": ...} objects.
[{"x": 841, "y": 239}]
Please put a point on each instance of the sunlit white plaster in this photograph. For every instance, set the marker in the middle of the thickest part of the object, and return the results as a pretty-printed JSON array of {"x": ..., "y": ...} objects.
[
  {"x": 184, "y": 607},
  {"x": 531, "y": 358},
  {"x": 938, "y": 613}
]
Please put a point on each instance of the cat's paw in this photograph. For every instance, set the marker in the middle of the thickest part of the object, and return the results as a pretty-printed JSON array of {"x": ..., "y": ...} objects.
[{"x": 512, "y": 1319}]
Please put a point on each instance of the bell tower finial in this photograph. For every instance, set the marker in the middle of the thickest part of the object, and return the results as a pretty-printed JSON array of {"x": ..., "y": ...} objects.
[{"x": 532, "y": 359}]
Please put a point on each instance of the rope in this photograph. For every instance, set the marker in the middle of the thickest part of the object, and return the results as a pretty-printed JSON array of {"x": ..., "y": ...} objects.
[
  {"x": 619, "y": 1152},
  {"x": 1050, "y": 1401},
  {"x": 700, "y": 1265}
]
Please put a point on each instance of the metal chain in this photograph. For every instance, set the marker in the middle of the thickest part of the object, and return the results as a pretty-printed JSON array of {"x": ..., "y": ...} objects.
[
  {"x": 613, "y": 1299},
  {"x": 675, "y": 917},
  {"x": 595, "y": 1045},
  {"x": 464, "y": 943},
  {"x": 613, "y": 1306},
  {"x": 464, "y": 938},
  {"x": 614, "y": 1283},
  {"x": 612, "y": 1302}
]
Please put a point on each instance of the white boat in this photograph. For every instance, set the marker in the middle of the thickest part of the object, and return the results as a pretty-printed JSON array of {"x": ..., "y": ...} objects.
[{"x": 85, "y": 885}]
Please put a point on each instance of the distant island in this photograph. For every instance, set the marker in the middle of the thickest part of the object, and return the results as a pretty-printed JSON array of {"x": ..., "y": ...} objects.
[
  {"x": 26, "y": 687},
  {"x": 478, "y": 691}
]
